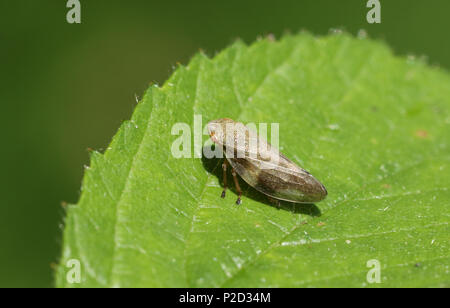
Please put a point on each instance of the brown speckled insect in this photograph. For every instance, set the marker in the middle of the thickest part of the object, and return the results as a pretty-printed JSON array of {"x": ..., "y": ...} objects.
[{"x": 270, "y": 172}]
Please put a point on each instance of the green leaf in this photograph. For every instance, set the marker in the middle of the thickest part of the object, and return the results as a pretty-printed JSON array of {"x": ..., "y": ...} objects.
[{"x": 372, "y": 127}]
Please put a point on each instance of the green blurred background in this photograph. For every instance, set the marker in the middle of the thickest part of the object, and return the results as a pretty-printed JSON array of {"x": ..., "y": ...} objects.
[{"x": 66, "y": 87}]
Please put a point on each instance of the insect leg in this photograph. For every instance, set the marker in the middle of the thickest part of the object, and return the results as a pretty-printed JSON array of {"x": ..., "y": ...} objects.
[
  {"x": 238, "y": 188},
  {"x": 224, "y": 167},
  {"x": 274, "y": 201}
]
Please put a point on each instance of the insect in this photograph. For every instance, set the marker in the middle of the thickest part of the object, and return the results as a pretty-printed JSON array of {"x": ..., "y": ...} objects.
[{"x": 262, "y": 166}]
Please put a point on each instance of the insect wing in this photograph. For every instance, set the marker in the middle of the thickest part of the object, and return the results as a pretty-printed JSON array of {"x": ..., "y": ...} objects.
[{"x": 265, "y": 168}]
